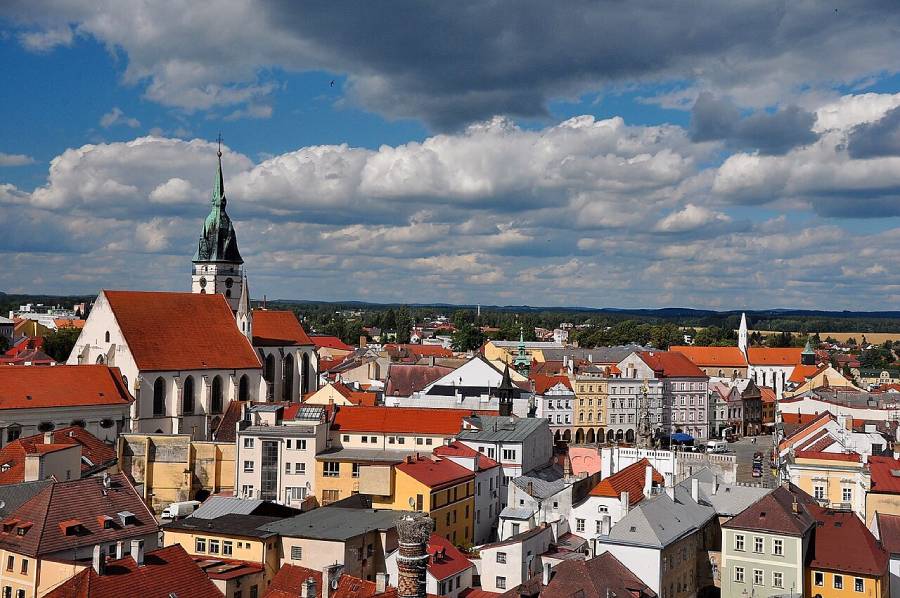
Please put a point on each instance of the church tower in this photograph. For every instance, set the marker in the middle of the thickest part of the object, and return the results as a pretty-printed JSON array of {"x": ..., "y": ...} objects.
[{"x": 218, "y": 266}]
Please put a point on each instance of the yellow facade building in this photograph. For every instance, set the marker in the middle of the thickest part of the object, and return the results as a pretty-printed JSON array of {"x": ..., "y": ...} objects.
[
  {"x": 838, "y": 480},
  {"x": 174, "y": 468},
  {"x": 589, "y": 410},
  {"x": 234, "y": 536},
  {"x": 440, "y": 488}
]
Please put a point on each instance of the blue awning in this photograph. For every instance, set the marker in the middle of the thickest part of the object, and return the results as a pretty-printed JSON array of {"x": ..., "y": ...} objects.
[{"x": 681, "y": 437}]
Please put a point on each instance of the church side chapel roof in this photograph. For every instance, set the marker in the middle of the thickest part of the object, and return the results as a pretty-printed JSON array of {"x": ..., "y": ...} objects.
[
  {"x": 278, "y": 329},
  {"x": 181, "y": 331}
]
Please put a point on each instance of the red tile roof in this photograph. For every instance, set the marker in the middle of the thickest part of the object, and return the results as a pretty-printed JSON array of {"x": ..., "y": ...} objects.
[
  {"x": 544, "y": 383},
  {"x": 290, "y": 580},
  {"x": 435, "y": 472},
  {"x": 889, "y": 531},
  {"x": 225, "y": 569},
  {"x": 85, "y": 501},
  {"x": 630, "y": 480},
  {"x": 600, "y": 577},
  {"x": 767, "y": 394},
  {"x": 66, "y": 323},
  {"x": 355, "y": 396},
  {"x": 774, "y": 513},
  {"x": 712, "y": 357},
  {"x": 445, "y": 559},
  {"x": 327, "y": 364},
  {"x": 883, "y": 479},
  {"x": 405, "y": 420},
  {"x": 24, "y": 387},
  {"x": 842, "y": 543},
  {"x": 100, "y": 454},
  {"x": 802, "y": 373},
  {"x": 165, "y": 573},
  {"x": 774, "y": 356},
  {"x": 278, "y": 328},
  {"x": 181, "y": 331},
  {"x": 458, "y": 449},
  {"x": 423, "y": 350},
  {"x": 404, "y": 379},
  {"x": 330, "y": 342},
  {"x": 849, "y": 457},
  {"x": 669, "y": 364}
]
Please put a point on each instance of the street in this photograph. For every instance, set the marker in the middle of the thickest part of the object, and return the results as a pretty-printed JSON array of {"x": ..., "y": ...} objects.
[{"x": 744, "y": 449}]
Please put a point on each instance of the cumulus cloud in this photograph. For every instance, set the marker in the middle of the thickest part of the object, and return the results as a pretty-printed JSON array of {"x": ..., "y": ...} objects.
[
  {"x": 117, "y": 117},
  {"x": 876, "y": 139},
  {"x": 584, "y": 212},
  {"x": 479, "y": 61},
  {"x": 15, "y": 160},
  {"x": 719, "y": 119}
]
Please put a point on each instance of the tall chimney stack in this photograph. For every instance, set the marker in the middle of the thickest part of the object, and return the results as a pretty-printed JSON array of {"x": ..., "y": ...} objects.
[
  {"x": 695, "y": 490},
  {"x": 99, "y": 560},
  {"x": 648, "y": 480},
  {"x": 414, "y": 530},
  {"x": 137, "y": 552}
]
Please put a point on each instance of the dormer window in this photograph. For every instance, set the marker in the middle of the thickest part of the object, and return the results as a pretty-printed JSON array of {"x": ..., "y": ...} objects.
[
  {"x": 105, "y": 521},
  {"x": 71, "y": 527},
  {"x": 127, "y": 518}
]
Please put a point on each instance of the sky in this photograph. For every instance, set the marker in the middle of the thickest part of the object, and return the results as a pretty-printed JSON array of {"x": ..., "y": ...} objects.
[{"x": 723, "y": 155}]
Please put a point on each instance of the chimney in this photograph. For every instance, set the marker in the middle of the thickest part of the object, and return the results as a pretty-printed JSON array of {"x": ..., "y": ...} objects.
[
  {"x": 626, "y": 502},
  {"x": 99, "y": 560},
  {"x": 137, "y": 552},
  {"x": 530, "y": 488},
  {"x": 381, "y": 580},
  {"x": 413, "y": 531},
  {"x": 48, "y": 437},
  {"x": 648, "y": 480},
  {"x": 120, "y": 549},
  {"x": 309, "y": 587},
  {"x": 695, "y": 490},
  {"x": 795, "y": 507},
  {"x": 670, "y": 491},
  {"x": 715, "y": 484},
  {"x": 545, "y": 578}
]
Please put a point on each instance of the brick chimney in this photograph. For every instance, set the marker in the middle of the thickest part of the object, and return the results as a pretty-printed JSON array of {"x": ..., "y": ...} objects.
[{"x": 413, "y": 530}]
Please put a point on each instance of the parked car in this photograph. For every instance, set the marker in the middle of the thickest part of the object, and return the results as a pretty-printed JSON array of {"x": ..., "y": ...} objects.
[
  {"x": 177, "y": 510},
  {"x": 757, "y": 464}
]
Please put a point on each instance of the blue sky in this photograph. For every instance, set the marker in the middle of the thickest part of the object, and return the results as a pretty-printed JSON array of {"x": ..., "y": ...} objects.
[{"x": 725, "y": 155}]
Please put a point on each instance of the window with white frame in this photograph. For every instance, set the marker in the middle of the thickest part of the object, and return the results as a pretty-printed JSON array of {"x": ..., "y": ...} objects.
[
  {"x": 300, "y": 468},
  {"x": 819, "y": 578},
  {"x": 838, "y": 582},
  {"x": 509, "y": 454},
  {"x": 247, "y": 490},
  {"x": 200, "y": 545},
  {"x": 248, "y": 443},
  {"x": 778, "y": 547},
  {"x": 301, "y": 444},
  {"x": 501, "y": 583},
  {"x": 739, "y": 541},
  {"x": 248, "y": 466},
  {"x": 757, "y": 544},
  {"x": 757, "y": 577},
  {"x": 739, "y": 574},
  {"x": 501, "y": 558},
  {"x": 859, "y": 585},
  {"x": 819, "y": 492},
  {"x": 777, "y": 579},
  {"x": 579, "y": 525},
  {"x": 296, "y": 553},
  {"x": 331, "y": 469},
  {"x": 846, "y": 494}
]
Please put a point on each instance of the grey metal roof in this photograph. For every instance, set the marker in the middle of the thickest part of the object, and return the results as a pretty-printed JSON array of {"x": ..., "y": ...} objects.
[
  {"x": 250, "y": 526},
  {"x": 729, "y": 499},
  {"x": 528, "y": 345},
  {"x": 545, "y": 481},
  {"x": 335, "y": 523},
  {"x": 14, "y": 496},
  {"x": 268, "y": 408},
  {"x": 279, "y": 431},
  {"x": 371, "y": 455},
  {"x": 216, "y": 506},
  {"x": 514, "y": 513},
  {"x": 494, "y": 428},
  {"x": 659, "y": 521},
  {"x": 309, "y": 412},
  {"x": 595, "y": 354}
]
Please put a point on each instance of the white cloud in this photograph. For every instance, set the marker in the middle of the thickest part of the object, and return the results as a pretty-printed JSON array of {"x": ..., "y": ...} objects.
[
  {"x": 15, "y": 160},
  {"x": 690, "y": 218},
  {"x": 47, "y": 40},
  {"x": 117, "y": 117}
]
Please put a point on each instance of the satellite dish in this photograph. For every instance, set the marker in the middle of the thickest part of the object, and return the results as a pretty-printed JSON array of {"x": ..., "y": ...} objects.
[{"x": 412, "y": 502}]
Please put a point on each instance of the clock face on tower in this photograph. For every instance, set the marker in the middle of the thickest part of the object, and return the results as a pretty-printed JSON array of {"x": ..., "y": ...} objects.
[{"x": 203, "y": 283}]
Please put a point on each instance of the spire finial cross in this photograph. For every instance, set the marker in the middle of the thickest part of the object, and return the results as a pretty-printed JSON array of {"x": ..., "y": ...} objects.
[{"x": 219, "y": 139}]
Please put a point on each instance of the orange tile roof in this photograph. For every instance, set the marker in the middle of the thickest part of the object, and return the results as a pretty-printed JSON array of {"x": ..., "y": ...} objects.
[
  {"x": 24, "y": 387},
  {"x": 64, "y": 323},
  {"x": 775, "y": 356},
  {"x": 670, "y": 364},
  {"x": 883, "y": 479},
  {"x": 767, "y": 394},
  {"x": 445, "y": 559},
  {"x": 166, "y": 572},
  {"x": 330, "y": 342},
  {"x": 843, "y": 543},
  {"x": 458, "y": 449},
  {"x": 435, "y": 472},
  {"x": 853, "y": 457},
  {"x": 355, "y": 396},
  {"x": 290, "y": 580},
  {"x": 630, "y": 480},
  {"x": 12, "y": 456},
  {"x": 802, "y": 373},
  {"x": 711, "y": 357},
  {"x": 544, "y": 383},
  {"x": 278, "y": 328},
  {"x": 405, "y": 420},
  {"x": 181, "y": 331}
]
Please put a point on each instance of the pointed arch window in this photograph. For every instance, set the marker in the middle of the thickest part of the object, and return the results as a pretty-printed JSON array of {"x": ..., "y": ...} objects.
[
  {"x": 159, "y": 397},
  {"x": 218, "y": 400},
  {"x": 187, "y": 405}
]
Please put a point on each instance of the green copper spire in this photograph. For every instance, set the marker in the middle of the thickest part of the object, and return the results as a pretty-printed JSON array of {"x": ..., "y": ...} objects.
[
  {"x": 522, "y": 362},
  {"x": 218, "y": 242}
]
